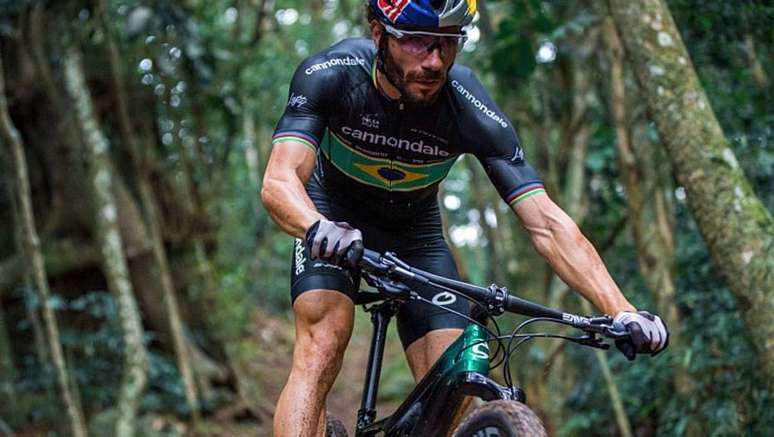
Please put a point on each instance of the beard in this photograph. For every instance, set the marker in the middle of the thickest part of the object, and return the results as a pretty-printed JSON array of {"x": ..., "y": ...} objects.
[{"x": 401, "y": 80}]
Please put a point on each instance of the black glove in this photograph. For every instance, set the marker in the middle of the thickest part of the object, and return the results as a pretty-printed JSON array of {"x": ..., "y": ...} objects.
[
  {"x": 335, "y": 242},
  {"x": 648, "y": 333}
]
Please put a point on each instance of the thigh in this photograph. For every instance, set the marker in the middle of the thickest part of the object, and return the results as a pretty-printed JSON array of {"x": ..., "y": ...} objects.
[{"x": 415, "y": 319}]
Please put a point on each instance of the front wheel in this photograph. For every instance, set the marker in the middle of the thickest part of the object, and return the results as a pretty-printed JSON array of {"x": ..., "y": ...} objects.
[{"x": 501, "y": 418}]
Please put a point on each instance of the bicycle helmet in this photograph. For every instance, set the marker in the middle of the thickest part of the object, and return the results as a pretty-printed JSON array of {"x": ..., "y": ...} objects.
[{"x": 431, "y": 14}]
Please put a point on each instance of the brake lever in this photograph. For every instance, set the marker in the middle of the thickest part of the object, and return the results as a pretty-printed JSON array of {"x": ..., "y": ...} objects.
[
  {"x": 591, "y": 339},
  {"x": 393, "y": 289},
  {"x": 370, "y": 264},
  {"x": 605, "y": 326}
]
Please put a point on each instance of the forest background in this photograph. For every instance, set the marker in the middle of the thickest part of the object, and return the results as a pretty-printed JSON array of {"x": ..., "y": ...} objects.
[{"x": 144, "y": 289}]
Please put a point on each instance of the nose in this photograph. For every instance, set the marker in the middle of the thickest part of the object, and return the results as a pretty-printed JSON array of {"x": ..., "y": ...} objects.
[{"x": 433, "y": 60}]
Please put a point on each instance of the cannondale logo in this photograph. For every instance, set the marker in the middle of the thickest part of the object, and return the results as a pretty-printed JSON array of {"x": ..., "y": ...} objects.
[
  {"x": 392, "y": 8},
  {"x": 478, "y": 104},
  {"x": 444, "y": 298},
  {"x": 299, "y": 255}
]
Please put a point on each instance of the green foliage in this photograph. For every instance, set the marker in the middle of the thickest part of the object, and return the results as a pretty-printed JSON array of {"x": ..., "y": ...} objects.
[
  {"x": 94, "y": 348},
  {"x": 197, "y": 71}
]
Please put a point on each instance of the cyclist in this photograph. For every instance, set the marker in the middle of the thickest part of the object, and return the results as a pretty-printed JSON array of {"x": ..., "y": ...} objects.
[{"x": 372, "y": 125}]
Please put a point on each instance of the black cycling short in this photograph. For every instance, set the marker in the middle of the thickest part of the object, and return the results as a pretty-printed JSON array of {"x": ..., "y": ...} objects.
[{"x": 419, "y": 242}]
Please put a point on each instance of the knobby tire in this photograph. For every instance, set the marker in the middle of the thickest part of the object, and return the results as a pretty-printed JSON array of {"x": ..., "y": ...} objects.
[{"x": 501, "y": 418}]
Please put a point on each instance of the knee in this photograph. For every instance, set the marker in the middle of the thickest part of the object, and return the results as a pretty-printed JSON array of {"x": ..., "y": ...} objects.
[{"x": 320, "y": 349}]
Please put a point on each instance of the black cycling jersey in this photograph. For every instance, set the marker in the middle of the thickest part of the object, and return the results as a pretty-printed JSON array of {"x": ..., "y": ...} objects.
[{"x": 386, "y": 156}]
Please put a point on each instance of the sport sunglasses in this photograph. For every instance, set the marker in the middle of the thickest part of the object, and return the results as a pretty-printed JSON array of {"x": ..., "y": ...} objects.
[{"x": 419, "y": 42}]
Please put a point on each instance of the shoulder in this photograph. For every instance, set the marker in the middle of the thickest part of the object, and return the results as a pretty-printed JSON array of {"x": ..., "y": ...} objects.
[
  {"x": 470, "y": 95},
  {"x": 478, "y": 115},
  {"x": 350, "y": 57}
]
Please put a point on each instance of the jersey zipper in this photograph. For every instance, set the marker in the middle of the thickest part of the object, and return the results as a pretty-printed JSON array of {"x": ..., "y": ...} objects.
[{"x": 394, "y": 152}]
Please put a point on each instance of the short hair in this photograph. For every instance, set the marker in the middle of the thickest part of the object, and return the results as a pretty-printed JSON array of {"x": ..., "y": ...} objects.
[{"x": 370, "y": 15}]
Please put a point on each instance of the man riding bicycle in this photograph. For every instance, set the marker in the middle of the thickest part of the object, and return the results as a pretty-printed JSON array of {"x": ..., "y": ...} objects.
[{"x": 371, "y": 127}]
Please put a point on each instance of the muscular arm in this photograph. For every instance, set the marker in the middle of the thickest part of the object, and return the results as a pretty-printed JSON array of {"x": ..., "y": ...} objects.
[
  {"x": 290, "y": 165},
  {"x": 558, "y": 239}
]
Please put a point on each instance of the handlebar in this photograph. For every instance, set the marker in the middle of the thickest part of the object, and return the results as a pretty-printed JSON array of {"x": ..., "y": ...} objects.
[{"x": 390, "y": 274}]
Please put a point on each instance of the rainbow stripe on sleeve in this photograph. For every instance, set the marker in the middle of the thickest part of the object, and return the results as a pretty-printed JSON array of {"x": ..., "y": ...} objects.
[
  {"x": 524, "y": 191},
  {"x": 299, "y": 137}
]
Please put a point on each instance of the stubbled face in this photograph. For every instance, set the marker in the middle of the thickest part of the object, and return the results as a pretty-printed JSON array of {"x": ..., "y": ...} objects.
[{"x": 419, "y": 78}]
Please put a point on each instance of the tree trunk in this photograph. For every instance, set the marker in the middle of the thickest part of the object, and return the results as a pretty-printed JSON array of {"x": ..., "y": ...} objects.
[
  {"x": 7, "y": 365},
  {"x": 151, "y": 220},
  {"x": 578, "y": 133},
  {"x": 35, "y": 259},
  {"x": 111, "y": 245},
  {"x": 59, "y": 256},
  {"x": 738, "y": 229},
  {"x": 493, "y": 269},
  {"x": 624, "y": 426},
  {"x": 758, "y": 73},
  {"x": 18, "y": 269},
  {"x": 649, "y": 212}
]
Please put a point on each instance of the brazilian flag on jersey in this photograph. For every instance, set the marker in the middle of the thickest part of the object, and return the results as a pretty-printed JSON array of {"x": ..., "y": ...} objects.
[{"x": 382, "y": 173}]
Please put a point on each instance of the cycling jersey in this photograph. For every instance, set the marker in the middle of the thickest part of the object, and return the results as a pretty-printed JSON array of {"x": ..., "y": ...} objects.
[{"x": 388, "y": 156}]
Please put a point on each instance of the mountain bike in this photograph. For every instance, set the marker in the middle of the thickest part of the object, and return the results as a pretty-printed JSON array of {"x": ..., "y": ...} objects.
[{"x": 463, "y": 369}]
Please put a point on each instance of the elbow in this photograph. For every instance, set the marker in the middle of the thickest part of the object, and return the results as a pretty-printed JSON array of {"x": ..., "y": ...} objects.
[{"x": 268, "y": 192}]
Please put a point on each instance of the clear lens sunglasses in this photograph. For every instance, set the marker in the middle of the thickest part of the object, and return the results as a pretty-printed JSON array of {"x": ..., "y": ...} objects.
[{"x": 419, "y": 42}]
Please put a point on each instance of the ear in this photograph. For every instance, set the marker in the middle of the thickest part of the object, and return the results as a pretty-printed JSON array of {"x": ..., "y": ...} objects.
[{"x": 376, "y": 31}]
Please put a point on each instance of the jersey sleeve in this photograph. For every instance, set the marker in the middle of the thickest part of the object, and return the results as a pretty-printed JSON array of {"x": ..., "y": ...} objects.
[
  {"x": 309, "y": 103},
  {"x": 489, "y": 135}
]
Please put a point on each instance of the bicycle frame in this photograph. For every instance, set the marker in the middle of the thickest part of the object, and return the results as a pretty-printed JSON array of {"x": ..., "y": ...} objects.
[{"x": 428, "y": 410}]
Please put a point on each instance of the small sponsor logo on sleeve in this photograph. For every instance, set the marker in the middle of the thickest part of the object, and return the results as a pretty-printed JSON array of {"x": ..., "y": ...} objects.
[
  {"x": 297, "y": 101},
  {"x": 518, "y": 155}
]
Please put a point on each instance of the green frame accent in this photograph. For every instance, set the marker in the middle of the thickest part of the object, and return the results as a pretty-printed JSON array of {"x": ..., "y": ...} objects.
[{"x": 469, "y": 353}]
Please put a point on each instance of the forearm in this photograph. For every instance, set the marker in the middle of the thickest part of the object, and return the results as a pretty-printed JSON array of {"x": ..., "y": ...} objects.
[
  {"x": 283, "y": 193},
  {"x": 289, "y": 205},
  {"x": 558, "y": 239},
  {"x": 575, "y": 260}
]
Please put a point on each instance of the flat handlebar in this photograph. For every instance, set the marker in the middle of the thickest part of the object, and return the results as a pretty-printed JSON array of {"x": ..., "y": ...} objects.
[{"x": 494, "y": 298}]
